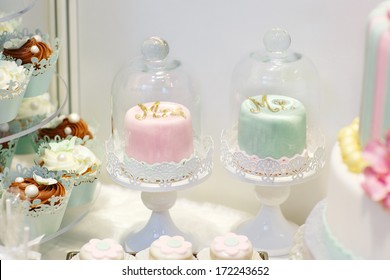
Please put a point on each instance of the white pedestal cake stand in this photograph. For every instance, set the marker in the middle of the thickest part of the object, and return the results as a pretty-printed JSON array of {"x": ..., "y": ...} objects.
[
  {"x": 159, "y": 184},
  {"x": 270, "y": 231}
]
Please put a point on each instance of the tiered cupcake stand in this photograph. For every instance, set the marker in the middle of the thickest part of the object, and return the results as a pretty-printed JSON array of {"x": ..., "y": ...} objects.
[
  {"x": 72, "y": 215},
  {"x": 12, "y": 12}
]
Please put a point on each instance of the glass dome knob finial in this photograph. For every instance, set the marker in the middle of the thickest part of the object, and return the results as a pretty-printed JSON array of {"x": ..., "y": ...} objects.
[
  {"x": 155, "y": 49},
  {"x": 277, "y": 40}
]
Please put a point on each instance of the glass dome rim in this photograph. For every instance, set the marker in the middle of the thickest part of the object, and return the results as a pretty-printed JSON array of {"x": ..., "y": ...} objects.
[{"x": 276, "y": 58}]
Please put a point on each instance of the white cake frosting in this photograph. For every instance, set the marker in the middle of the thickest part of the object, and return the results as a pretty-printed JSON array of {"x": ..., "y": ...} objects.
[
  {"x": 34, "y": 106},
  {"x": 357, "y": 226},
  {"x": 170, "y": 248},
  {"x": 10, "y": 71},
  {"x": 102, "y": 249},
  {"x": 231, "y": 246},
  {"x": 356, "y": 219},
  {"x": 69, "y": 156}
]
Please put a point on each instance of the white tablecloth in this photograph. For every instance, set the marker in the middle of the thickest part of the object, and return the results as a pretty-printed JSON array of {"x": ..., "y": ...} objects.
[{"x": 119, "y": 210}]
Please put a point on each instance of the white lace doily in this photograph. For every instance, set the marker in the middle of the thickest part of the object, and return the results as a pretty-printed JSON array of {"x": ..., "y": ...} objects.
[
  {"x": 269, "y": 171},
  {"x": 167, "y": 176}
]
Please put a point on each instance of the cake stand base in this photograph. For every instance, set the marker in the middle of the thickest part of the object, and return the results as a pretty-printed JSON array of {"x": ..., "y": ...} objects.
[
  {"x": 270, "y": 231},
  {"x": 159, "y": 223}
]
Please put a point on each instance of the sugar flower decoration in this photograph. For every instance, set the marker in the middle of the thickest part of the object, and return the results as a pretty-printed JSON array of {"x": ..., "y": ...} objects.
[
  {"x": 377, "y": 175},
  {"x": 65, "y": 145},
  {"x": 171, "y": 245},
  {"x": 231, "y": 243},
  {"x": 103, "y": 249},
  {"x": 44, "y": 181}
]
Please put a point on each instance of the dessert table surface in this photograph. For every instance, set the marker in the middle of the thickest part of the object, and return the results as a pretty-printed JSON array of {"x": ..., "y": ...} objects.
[{"x": 119, "y": 210}]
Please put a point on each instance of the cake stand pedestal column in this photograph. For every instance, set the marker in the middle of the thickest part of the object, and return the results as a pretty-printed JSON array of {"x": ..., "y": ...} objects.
[
  {"x": 270, "y": 230},
  {"x": 158, "y": 184},
  {"x": 273, "y": 178},
  {"x": 159, "y": 223}
]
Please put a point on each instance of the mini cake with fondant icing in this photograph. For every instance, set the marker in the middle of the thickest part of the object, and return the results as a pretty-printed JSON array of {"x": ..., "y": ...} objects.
[
  {"x": 355, "y": 216},
  {"x": 158, "y": 132},
  {"x": 231, "y": 246},
  {"x": 102, "y": 249},
  {"x": 170, "y": 248},
  {"x": 272, "y": 126}
]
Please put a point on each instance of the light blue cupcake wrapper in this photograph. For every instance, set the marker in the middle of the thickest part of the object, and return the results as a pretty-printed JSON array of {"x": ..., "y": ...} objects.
[
  {"x": 85, "y": 186},
  {"x": 7, "y": 154},
  {"x": 83, "y": 194},
  {"x": 9, "y": 108},
  {"x": 42, "y": 71},
  {"x": 47, "y": 219},
  {"x": 26, "y": 144},
  {"x": 11, "y": 98}
]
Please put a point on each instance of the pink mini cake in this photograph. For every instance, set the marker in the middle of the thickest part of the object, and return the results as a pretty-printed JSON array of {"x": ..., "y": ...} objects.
[
  {"x": 231, "y": 247},
  {"x": 105, "y": 249},
  {"x": 170, "y": 248},
  {"x": 158, "y": 132}
]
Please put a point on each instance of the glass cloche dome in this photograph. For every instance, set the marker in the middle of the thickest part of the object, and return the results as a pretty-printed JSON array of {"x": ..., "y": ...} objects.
[
  {"x": 274, "y": 132},
  {"x": 156, "y": 121}
]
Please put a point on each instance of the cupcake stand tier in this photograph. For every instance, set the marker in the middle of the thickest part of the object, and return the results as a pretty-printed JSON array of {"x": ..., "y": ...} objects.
[
  {"x": 270, "y": 231},
  {"x": 60, "y": 99},
  {"x": 72, "y": 215},
  {"x": 159, "y": 184},
  {"x": 11, "y": 9}
]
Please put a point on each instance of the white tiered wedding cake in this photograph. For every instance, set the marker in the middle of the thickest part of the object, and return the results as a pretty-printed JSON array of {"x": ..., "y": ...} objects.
[{"x": 353, "y": 222}]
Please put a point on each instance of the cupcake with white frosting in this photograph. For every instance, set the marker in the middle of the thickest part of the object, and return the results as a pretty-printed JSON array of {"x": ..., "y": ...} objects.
[
  {"x": 11, "y": 25},
  {"x": 13, "y": 83},
  {"x": 78, "y": 161},
  {"x": 32, "y": 111}
]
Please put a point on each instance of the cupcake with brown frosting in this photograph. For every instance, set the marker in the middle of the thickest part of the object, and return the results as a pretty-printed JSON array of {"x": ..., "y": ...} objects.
[
  {"x": 32, "y": 47},
  {"x": 65, "y": 126},
  {"x": 43, "y": 198},
  {"x": 33, "y": 51},
  {"x": 37, "y": 193}
]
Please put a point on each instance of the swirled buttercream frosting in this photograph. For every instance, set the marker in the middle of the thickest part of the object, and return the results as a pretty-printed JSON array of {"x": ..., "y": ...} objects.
[
  {"x": 10, "y": 71},
  {"x": 65, "y": 126},
  {"x": 33, "y": 47},
  {"x": 35, "y": 190},
  {"x": 68, "y": 156}
]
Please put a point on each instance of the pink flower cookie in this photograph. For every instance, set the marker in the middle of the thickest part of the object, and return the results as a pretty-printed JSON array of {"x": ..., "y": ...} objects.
[
  {"x": 231, "y": 247},
  {"x": 105, "y": 249},
  {"x": 377, "y": 175},
  {"x": 170, "y": 248}
]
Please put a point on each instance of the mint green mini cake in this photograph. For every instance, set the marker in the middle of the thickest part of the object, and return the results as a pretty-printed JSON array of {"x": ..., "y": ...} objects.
[{"x": 272, "y": 126}]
